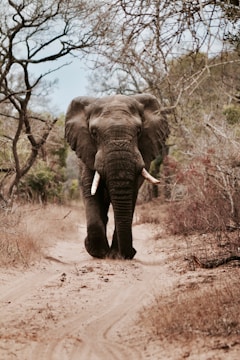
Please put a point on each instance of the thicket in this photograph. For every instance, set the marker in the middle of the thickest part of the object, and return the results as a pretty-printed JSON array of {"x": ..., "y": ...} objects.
[
  {"x": 203, "y": 168},
  {"x": 187, "y": 54},
  {"x": 36, "y": 39},
  {"x": 184, "y": 52}
]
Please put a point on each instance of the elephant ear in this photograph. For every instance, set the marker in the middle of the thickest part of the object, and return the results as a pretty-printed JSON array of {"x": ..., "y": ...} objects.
[
  {"x": 77, "y": 132},
  {"x": 155, "y": 129}
]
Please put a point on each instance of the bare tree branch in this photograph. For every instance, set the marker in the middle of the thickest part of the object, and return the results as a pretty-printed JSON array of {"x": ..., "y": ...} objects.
[{"x": 33, "y": 33}]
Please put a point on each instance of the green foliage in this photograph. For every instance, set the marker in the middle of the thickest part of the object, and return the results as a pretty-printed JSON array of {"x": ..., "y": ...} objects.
[
  {"x": 42, "y": 184},
  {"x": 40, "y": 179},
  {"x": 57, "y": 146},
  {"x": 73, "y": 191},
  {"x": 155, "y": 165},
  {"x": 61, "y": 153},
  {"x": 187, "y": 65},
  {"x": 232, "y": 113},
  {"x": 45, "y": 181}
]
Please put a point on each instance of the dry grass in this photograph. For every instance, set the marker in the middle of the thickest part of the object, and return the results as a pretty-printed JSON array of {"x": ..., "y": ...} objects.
[
  {"x": 16, "y": 244},
  {"x": 209, "y": 198},
  {"x": 209, "y": 306},
  {"x": 27, "y": 230},
  {"x": 153, "y": 212},
  {"x": 209, "y": 247},
  {"x": 206, "y": 245},
  {"x": 200, "y": 309}
]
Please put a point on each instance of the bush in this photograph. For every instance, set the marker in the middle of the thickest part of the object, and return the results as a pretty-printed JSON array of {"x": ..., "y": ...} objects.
[
  {"x": 42, "y": 184},
  {"x": 232, "y": 113},
  {"x": 17, "y": 246},
  {"x": 210, "y": 198},
  {"x": 200, "y": 309},
  {"x": 73, "y": 189}
]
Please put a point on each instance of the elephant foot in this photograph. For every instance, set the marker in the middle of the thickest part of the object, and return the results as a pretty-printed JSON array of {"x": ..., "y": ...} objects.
[
  {"x": 97, "y": 248},
  {"x": 115, "y": 254},
  {"x": 130, "y": 254},
  {"x": 127, "y": 252}
]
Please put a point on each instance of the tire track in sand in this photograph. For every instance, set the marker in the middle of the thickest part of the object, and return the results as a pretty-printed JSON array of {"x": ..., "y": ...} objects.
[
  {"x": 85, "y": 314},
  {"x": 89, "y": 334}
]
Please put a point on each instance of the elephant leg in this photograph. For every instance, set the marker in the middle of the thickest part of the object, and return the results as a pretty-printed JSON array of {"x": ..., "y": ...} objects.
[
  {"x": 115, "y": 253},
  {"x": 96, "y": 242},
  {"x": 114, "y": 250}
]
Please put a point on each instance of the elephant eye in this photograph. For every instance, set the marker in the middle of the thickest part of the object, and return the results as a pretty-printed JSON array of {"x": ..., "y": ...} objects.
[
  {"x": 139, "y": 130},
  {"x": 93, "y": 132}
]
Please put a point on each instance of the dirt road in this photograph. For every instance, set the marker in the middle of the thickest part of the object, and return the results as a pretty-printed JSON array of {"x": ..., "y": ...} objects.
[{"x": 70, "y": 306}]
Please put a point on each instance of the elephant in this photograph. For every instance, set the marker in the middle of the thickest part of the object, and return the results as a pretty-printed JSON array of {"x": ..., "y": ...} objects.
[{"x": 115, "y": 138}]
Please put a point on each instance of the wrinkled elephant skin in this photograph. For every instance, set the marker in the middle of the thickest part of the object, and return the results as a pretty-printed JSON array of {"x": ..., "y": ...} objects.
[{"x": 115, "y": 138}]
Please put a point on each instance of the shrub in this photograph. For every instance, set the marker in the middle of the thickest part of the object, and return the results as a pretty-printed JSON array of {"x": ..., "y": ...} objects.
[
  {"x": 210, "y": 198},
  {"x": 232, "y": 113},
  {"x": 17, "y": 246},
  {"x": 42, "y": 184},
  {"x": 200, "y": 309}
]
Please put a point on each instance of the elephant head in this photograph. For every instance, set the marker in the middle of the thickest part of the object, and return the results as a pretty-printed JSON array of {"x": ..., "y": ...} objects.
[{"x": 116, "y": 138}]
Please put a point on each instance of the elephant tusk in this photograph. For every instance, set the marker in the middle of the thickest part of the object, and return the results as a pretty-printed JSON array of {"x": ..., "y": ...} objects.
[
  {"x": 149, "y": 177},
  {"x": 95, "y": 183}
]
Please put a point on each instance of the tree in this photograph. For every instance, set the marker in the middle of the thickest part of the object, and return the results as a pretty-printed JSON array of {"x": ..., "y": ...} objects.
[
  {"x": 180, "y": 51},
  {"x": 34, "y": 32},
  {"x": 146, "y": 36},
  {"x": 46, "y": 179}
]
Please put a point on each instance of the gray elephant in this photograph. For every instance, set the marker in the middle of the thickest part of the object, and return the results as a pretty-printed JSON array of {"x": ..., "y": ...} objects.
[{"x": 116, "y": 138}]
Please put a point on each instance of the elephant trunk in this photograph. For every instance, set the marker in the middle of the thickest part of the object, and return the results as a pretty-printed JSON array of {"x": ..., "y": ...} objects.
[
  {"x": 123, "y": 207},
  {"x": 122, "y": 172},
  {"x": 120, "y": 164}
]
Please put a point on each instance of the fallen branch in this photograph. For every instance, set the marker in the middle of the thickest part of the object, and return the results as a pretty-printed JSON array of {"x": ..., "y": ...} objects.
[{"x": 211, "y": 264}]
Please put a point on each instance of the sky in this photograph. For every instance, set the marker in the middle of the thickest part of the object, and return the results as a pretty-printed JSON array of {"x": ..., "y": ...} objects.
[{"x": 72, "y": 82}]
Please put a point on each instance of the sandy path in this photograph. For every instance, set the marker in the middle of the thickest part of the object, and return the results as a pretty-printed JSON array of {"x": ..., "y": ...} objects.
[{"x": 71, "y": 307}]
